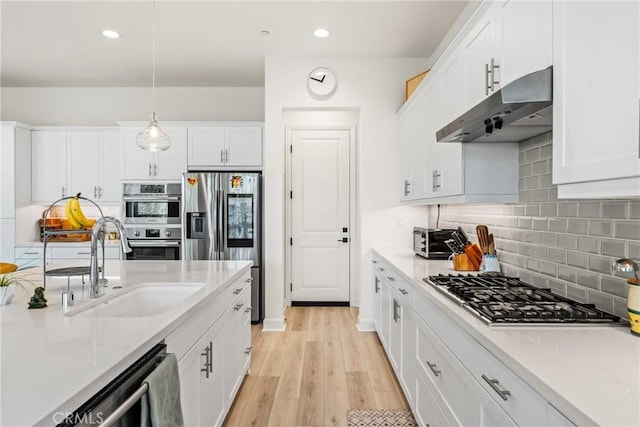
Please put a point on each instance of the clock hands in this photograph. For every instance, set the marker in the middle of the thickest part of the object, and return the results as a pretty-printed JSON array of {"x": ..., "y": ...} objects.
[{"x": 318, "y": 80}]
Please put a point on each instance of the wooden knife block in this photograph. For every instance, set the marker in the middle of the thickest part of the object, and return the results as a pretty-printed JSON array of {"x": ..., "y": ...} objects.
[{"x": 461, "y": 262}]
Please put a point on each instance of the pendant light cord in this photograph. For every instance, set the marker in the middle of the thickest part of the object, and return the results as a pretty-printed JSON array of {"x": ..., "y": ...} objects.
[{"x": 153, "y": 50}]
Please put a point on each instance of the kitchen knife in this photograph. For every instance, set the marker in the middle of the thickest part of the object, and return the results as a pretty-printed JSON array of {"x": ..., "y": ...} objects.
[
  {"x": 451, "y": 244},
  {"x": 463, "y": 235},
  {"x": 472, "y": 251}
]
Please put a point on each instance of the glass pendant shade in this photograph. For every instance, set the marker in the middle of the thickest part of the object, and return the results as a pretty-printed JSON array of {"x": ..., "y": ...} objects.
[{"x": 152, "y": 138}]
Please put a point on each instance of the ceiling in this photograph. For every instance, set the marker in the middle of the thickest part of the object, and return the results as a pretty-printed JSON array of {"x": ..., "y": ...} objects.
[{"x": 203, "y": 43}]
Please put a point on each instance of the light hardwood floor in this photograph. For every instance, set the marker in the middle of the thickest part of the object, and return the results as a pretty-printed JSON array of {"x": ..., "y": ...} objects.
[{"x": 312, "y": 373}]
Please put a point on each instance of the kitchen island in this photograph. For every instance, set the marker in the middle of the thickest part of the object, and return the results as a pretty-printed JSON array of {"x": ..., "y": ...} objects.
[
  {"x": 52, "y": 362},
  {"x": 589, "y": 375}
]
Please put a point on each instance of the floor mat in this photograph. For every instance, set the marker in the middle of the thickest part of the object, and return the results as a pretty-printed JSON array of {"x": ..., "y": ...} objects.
[{"x": 380, "y": 418}]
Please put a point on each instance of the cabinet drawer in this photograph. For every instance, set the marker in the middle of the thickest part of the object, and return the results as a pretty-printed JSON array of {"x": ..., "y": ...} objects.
[
  {"x": 427, "y": 410},
  {"x": 523, "y": 404},
  {"x": 236, "y": 289},
  {"x": 394, "y": 279},
  {"x": 84, "y": 252}
]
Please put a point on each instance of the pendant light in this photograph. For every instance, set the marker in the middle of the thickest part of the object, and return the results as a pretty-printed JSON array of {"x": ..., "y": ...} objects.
[{"x": 152, "y": 138}]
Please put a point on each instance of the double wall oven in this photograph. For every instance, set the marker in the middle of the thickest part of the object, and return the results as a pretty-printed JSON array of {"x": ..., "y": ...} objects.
[{"x": 153, "y": 220}]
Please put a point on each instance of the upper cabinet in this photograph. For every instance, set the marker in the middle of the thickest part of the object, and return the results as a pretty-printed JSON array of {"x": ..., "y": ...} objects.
[
  {"x": 138, "y": 164},
  {"x": 224, "y": 146},
  {"x": 596, "y": 58},
  {"x": 85, "y": 162},
  {"x": 481, "y": 59}
]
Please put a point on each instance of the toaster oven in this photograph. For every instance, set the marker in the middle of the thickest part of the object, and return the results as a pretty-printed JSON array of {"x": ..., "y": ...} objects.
[{"x": 429, "y": 242}]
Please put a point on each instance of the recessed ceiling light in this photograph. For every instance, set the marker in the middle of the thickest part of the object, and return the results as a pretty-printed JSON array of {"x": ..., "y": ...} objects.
[
  {"x": 265, "y": 33},
  {"x": 110, "y": 34},
  {"x": 321, "y": 33}
]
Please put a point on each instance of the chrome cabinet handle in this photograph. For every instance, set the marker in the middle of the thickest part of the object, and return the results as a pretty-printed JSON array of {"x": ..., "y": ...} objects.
[
  {"x": 396, "y": 306},
  {"x": 221, "y": 156},
  {"x": 247, "y": 310},
  {"x": 207, "y": 369},
  {"x": 237, "y": 291},
  {"x": 64, "y": 191},
  {"x": 407, "y": 187},
  {"x": 247, "y": 350},
  {"x": 486, "y": 79},
  {"x": 434, "y": 369},
  {"x": 100, "y": 192},
  {"x": 83, "y": 253},
  {"x": 494, "y": 82},
  {"x": 32, "y": 253},
  {"x": 391, "y": 279},
  {"x": 226, "y": 156},
  {"x": 381, "y": 268},
  {"x": 248, "y": 280},
  {"x": 402, "y": 291},
  {"x": 155, "y": 169},
  {"x": 377, "y": 284},
  {"x": 504, "y": 394},
  {"x": 374, "y": 261},
  {"x": 149, "y": 169},
  {"x": 95, "y": 192},
  {"x": 237, "y": 307}
]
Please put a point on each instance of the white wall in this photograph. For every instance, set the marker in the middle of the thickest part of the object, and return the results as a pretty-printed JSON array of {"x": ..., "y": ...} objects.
[
  {"x": 103, "y": 106},
  {"x": 375, "y": 88}
]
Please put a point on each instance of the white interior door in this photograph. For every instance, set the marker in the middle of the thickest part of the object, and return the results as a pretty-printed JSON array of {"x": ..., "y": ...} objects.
[{"x": 320, "y": 215}]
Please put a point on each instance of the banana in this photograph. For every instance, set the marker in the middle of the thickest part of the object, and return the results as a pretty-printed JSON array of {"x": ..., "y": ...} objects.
[
  {"x": 76, "y": 210},
  {"x": 70, "y": 217}
]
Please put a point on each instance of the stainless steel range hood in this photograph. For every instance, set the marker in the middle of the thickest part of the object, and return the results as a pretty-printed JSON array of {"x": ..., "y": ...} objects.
[{"x": 520, "y": 110}]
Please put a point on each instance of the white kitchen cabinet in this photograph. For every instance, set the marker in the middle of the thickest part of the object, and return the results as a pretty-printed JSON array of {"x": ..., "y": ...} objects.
[
  {"x": 524, "y": 38},
  {"x": 94, "y": 166},
  {"x": 481, "y": 59},
  {"x": 596, "y": 99},
  {"x": 224, "y": 146},
  {"x": 31, "y": 255},
  {"x": 202, "y": 373},
  {"x": 7, "y": 239},
  {"x": 67, "y": 161},
  {"x": 376, "y": 296},
  {"x": 49, "y": 165},
  {"x": 448, "y": 378},
  {"x": 138, "y": 164},
  {"x": 213, "y": 348}
]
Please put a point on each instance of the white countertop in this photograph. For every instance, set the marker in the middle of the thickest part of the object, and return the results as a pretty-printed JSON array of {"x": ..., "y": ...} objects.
[
  {"x": 51, "y": 362},
  {"x": 589, "y": 373}
]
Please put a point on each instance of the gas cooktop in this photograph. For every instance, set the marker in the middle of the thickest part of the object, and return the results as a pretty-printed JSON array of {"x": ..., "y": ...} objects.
[{"x": 500, "y": 300}]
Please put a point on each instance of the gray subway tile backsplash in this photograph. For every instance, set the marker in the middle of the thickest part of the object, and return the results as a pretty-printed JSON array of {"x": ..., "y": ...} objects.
[{"x": 566, "y": 245}]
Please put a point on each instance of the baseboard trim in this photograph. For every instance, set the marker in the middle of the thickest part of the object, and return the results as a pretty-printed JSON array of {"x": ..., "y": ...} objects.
[
  {"x": 274, "y": 325},
  {"x": 319, "y": 303},
  {"x": 366, "y": 325}
]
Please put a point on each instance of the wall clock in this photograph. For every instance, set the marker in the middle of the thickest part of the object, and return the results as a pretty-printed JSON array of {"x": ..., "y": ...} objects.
[{"x": 321, "y": 83}]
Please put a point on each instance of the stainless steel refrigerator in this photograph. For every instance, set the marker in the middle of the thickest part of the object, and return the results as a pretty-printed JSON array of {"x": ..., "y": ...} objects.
[{"x": 221, "y": 215}]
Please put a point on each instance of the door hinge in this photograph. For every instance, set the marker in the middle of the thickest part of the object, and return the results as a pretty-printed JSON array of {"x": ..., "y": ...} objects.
[
  {"x": 290, "y": 287},
  {"x": 290, "y": 241},
  {"x": 291, "y": 194},
  {"x": 291, "y": 148}
]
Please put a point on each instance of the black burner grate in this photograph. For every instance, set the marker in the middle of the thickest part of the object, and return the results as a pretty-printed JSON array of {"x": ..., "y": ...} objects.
[{"x": 508, "y": 300}]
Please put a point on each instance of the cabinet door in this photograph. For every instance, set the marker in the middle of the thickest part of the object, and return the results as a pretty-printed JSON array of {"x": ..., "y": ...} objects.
[
  {"x": 84, "y": 157},
  {"x": 189, "y": 368},
  {"x": 212, "y": 397},
  {"x": 422, "y": 115},
  {"x": 453, "y": 90},
  {"x": 171, "y": 164},
  {"x": 385, "y": 313},
  {"x": 135, "y": 163},
  {"x": 408, "y": 357},
  {"x": 7, "y": 174},
  {"x": 395, "y": 332},
  {"x": 244, "y": 146},
  {"x": 7, "y": 239},
  {"x": 206, "y": 146},
  {"x": 48, "y": 166},
  {"x": 524, "y": 38},
  {"x": 376, "y": 299},
  {"x": 406, "y": 129},
  {"x": 595, "y": 111},
  {"x": 109, "y": 167},
  {"x": 427, "y": 410},
  {"x": 479, "y": 48}
]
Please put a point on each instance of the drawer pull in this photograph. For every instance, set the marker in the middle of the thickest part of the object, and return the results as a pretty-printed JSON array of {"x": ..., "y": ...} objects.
[
  {"x": 247, "y": 350},
  {"x": 374, "y": 261},
  {"x": 434, "y": 368},
  {"x": 381, "y": 268},
  {"x": 237, "y": 291},
  {"x": 377, "y": 284},
  {"x": 32, "y": 253},
  {"x": 504, "y": 394},
  {"x": 396, "y": 306},
  {"x": 238, "y": 306},
  {"x": 391, "y": 278},
  {"x": 247, "y": 310},
  {"x": 402, "y": 291},
  {"x": 83, "y": 253},
  {"x": 248, "y": 280}
]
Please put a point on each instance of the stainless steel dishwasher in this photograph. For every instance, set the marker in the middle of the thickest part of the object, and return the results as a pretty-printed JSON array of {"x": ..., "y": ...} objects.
[{"x": 118, "y": 403}]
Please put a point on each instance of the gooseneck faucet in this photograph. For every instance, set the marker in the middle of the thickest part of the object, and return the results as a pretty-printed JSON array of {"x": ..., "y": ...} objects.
[{"x": 97, "y": 233}]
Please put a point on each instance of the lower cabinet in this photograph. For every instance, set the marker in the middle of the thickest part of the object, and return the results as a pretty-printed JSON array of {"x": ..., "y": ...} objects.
[
  {"x": 447, "y": 377},
  {"x": 201, "y": 375},
  {"x": 214, "y": 352}
]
